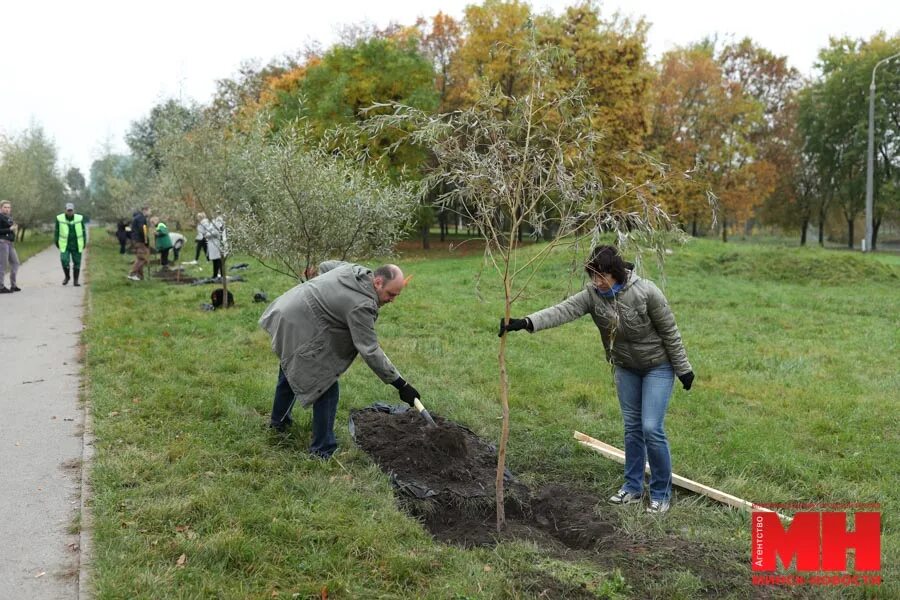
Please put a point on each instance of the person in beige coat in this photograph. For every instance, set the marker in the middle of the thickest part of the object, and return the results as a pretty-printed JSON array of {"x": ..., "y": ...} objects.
[
  {"x": 317, "y": 330},
  {"x": 642, "y": 342}
]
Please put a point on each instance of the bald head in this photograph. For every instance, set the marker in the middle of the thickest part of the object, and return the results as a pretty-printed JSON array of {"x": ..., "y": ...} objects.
[{"x": 388, "y": 282}]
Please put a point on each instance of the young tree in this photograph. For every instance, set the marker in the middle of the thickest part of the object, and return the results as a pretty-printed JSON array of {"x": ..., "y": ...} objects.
[
  {"x": 200, "y": 170},
  {"x": 29, "y": 177},
  {"x": 527, "y": 159},
  {"x": 302, "y": 203}
]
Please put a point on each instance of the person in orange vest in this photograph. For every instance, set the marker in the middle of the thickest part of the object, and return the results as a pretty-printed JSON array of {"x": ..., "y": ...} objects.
[{"x": 71, "y": 238}]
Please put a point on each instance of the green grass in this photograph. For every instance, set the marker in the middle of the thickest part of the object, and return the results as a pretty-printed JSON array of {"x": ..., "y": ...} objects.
[
  {"x": 34, "y": 243},
  {"x": 795, "y": 401}
]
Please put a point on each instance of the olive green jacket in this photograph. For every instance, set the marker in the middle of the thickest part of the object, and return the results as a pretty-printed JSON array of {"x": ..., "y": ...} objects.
[
  {"x": 319, "y": 327},
  {"x": 637, "y": 326}
]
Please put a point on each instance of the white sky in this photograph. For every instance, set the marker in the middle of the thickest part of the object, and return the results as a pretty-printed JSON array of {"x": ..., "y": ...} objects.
[{"x": 85, "y": 69}]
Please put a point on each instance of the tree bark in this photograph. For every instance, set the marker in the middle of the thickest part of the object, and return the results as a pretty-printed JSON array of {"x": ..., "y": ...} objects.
[
  {"x": 803, "y": 227},
  {"x": 426, "y": 243},
  {"x": 850, "y": 233},
  {"x": 504, "y": 428}
]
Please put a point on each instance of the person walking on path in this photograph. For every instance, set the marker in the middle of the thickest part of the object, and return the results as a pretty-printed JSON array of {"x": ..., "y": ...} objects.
[
  {"x": 317, "y": 329},
  {"x": 71, "y": 237},
  {"x": 8, "y": 249},
  {"x": 642, "y": 342},
  {"x": 200, "y": 238},
  {"x": 163, "y": 241},
  {"x": 139, "y": 238}
]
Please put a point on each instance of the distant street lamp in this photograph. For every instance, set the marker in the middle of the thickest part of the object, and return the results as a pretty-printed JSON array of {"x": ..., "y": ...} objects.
[{"x": 870, "y": 214}]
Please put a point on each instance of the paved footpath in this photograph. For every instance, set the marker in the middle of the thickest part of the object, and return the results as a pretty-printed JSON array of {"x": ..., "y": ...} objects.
[{"x": 41, "y": 434}]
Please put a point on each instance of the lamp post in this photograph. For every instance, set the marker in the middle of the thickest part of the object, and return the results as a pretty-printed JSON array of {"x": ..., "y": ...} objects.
[{"x": 870, "y": 215}]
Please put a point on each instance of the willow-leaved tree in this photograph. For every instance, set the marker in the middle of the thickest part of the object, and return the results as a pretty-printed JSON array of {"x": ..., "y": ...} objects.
[
  {"x": 527, "y": 161},
  {"x": 302, "y": 203},
  {"x": 200, "y": 168}
]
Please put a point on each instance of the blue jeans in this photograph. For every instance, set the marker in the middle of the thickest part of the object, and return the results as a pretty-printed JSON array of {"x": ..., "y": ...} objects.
[
  {"x": 644, "y": 397},
  {"x": 324, "y": 409}
]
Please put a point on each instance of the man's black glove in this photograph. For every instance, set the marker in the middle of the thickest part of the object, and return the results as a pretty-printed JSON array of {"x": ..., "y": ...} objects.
[
  {"x": 407, "y": 392},
  {"x": 687, "y": 379},
  {"x": 514, "y": 325}
]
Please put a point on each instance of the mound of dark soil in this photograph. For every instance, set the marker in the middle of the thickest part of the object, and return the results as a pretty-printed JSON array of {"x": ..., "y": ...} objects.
[
  {"x": 174, "y": 277},
  {"x": 455, "y": 470},
  {"x": 448, "y": 460},
  {"x": 444, "y": 476}
]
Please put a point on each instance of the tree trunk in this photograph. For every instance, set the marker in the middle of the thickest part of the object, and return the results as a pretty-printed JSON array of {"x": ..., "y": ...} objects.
[
  {"x": 876, "y": 223},
  {"x": 694, "y": 227},
  {"x": 850, "y": 233},
  {"x": 504, "y": 428},
  {"x": 426, "y": 243},
  {"x": 821, "y": 231},
  {"x": 724, "y": 231},
  {"x": 224, "y": 284},
  {"x": 22, "y": 234},
  {"x": 803, "y": 229}
]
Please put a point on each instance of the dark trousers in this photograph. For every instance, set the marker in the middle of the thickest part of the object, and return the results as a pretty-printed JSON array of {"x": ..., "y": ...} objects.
[
  {"x": 217, "y": 267},
  {"x": 164, "y": 257},
  {"x": 201, "y": 245},
  {"x": 122, "y": 243},
  {"x": 324, "y": 410}
]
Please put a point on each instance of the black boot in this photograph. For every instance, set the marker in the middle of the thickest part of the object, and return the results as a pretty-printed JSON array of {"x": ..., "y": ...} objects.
[
  {"x": 66, "y": 271},
  {"x": 77, "y": 272}
]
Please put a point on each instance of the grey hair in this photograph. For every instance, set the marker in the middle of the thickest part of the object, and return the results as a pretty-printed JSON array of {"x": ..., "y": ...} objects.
[{"x": 386, "y": 272}]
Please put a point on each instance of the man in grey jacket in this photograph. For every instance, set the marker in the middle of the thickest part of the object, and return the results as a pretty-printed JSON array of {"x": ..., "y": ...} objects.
[{"x": 317, "y": 329}]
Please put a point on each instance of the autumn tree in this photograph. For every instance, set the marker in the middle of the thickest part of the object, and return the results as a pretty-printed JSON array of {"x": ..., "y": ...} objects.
[
  {"x": 708, "y": 122},
  {"x": 610, "y": 57}
]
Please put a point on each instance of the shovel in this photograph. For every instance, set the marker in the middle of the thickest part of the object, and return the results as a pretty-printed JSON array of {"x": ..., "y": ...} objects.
[{"x": 422, "y": 411}]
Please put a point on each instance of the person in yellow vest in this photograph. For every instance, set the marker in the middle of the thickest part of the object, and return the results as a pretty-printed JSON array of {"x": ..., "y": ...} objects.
[{"x": 70, "y": 237}]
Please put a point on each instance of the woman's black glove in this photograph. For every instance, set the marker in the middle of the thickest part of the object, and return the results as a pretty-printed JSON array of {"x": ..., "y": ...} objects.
[
  {"x": 407, "y": 392},
  {"x": 687, "y": 380},
  {"x": 514, "y": 325}
]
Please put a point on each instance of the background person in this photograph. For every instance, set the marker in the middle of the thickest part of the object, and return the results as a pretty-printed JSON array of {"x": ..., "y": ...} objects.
[
  {"x": 200, "y": 238},
  {"x": 178, "y": 242},
  {"x": 163, "y": 241},
  {"x": 139, "y": 238},
  {"x": 216, "y": 244},
  {"x": 122, "y": 234},
  {"x": 8, "y": 249},
  {"x": 643, "y": 343},
  {"x": 317, "y": 329},
  {"x": 70, "y": 237}
]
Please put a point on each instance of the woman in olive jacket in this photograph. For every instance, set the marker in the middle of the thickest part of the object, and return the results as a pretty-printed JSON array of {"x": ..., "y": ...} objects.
[{"x": 642, "y": 342}]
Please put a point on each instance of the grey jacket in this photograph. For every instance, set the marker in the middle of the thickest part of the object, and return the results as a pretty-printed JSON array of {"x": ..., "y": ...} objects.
[
  {"x": 319, "y": 327},
  {"x": 637, "y": 326}
]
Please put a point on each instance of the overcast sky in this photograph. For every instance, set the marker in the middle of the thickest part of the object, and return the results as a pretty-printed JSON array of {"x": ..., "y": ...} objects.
[{"x": 84, "y": 69}]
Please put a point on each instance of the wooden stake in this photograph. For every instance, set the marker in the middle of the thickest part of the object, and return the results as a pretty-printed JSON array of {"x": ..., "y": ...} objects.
[{"x": 617, "y": 455}]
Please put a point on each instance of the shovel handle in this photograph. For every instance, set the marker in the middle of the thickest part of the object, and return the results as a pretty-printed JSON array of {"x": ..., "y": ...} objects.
[{"x": 421, "y": 408}]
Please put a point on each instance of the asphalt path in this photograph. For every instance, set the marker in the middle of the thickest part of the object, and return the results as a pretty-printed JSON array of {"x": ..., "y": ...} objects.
[{"x": 42, "y": 441}]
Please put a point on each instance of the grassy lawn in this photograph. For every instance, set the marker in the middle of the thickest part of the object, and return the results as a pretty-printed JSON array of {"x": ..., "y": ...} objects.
[
  {"x": 795, "y": 400},
  {"x": 34, "y": 243}
]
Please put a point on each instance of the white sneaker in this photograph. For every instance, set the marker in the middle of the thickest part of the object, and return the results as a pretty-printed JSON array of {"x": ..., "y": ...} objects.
[
  {"x": 658, "y": 506},
  {"x": 624, "y": 497},
  {"x": 134, "y": 277}
]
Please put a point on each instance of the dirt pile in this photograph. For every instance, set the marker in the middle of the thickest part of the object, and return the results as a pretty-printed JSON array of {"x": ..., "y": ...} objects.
[{"x": 454, "y": 470}]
